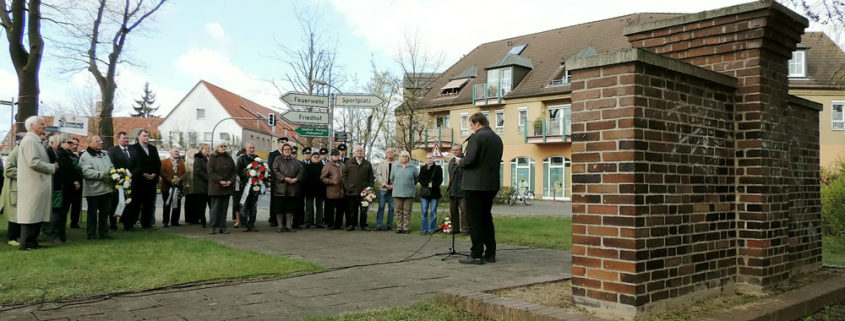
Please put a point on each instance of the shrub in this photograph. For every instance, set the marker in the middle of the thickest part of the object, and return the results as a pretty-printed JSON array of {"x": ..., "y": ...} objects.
[{"x": 833, "y": 207}]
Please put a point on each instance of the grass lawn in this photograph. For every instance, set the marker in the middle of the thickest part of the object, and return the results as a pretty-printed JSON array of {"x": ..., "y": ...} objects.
[
  {"x": 424, "y": 311},
  {"x": 833, "y": 251},
  {"x": 132, "y": 261},
  {"x": 535, "y": 231}
]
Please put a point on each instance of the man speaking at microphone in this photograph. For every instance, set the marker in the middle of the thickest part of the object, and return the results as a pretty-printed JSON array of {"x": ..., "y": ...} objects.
[{"x": 480, "y": 184}]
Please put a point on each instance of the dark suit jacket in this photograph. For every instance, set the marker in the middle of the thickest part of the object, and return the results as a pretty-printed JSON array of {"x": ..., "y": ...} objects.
[
  {"x": 481, "y": 161},
  {"x": 141, "y": 162},
  {"x": 456, "y": 174},
  {"x": 118, "y": 158}
]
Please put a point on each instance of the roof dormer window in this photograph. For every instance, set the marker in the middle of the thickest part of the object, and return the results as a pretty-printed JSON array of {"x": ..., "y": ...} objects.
[
  {"x": 452, "y": 88},
  {"x": 798, "y": 64}
]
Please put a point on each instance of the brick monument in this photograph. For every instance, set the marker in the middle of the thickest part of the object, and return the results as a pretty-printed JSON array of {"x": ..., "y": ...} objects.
[{"x": 694, "y": 171}]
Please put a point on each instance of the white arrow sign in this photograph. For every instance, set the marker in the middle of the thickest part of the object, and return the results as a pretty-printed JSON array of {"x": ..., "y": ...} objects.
[
  {"x": 298, "y": 99},
  {"x": 306, "y": 117},
  {"x": 364, "y": 101}
]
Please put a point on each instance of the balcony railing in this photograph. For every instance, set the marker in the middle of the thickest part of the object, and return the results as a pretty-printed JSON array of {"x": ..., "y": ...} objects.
[
  {"x": 543, "y": 133},
  {"x": 426, "y": 139},
  {"x": 482, "y": 95}
]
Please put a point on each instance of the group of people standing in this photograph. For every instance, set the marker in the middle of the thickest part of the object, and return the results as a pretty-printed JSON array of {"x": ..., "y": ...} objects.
[{"x": 42, "y": 182}]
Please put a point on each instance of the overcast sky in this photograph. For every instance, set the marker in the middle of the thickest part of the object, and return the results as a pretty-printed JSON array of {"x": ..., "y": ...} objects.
[{"x": 232, "y": 43}]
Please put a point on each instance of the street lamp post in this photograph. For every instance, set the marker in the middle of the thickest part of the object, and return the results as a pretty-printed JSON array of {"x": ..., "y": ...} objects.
[{"x": 331, "y": 108}]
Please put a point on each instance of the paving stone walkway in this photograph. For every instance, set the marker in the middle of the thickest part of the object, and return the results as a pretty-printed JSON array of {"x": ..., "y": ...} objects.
[{"x": 332, "y": 292}]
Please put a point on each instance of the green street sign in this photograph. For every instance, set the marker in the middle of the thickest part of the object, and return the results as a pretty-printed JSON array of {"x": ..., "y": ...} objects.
[{"x": 313, "y": 131}]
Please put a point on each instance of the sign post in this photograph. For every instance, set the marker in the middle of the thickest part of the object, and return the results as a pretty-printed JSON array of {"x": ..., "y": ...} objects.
[
  {"x": 435, "y": 151},
  {"x": 312, "y": 131}
]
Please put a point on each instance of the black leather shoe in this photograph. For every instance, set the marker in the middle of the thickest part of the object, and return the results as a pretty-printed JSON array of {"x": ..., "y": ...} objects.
[
  {"x": 469, "y": 260},
  {"x": 350, "y": 228},
  {"x": 365, "y": 228},
  {"x": 490, "y": 260}
]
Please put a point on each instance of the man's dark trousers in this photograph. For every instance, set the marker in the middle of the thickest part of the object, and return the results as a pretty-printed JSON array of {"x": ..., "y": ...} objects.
[
  {"x": 481, "y": 232},
  {"x": 352, "y": 212}
]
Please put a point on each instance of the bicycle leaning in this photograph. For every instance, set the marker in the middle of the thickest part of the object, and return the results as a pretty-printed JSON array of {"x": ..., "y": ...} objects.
[{"x": 521, "y": 194}]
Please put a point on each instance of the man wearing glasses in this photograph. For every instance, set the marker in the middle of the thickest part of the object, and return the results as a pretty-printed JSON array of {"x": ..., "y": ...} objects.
[{"x": 74, "y": 187}]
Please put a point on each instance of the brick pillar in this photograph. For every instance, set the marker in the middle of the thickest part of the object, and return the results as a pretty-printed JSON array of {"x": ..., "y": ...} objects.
[
  {"x": 753, "y": 42},
  {"x": 652, "y": 181}
]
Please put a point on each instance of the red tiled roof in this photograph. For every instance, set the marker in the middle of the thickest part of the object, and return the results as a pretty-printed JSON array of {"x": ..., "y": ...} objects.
[
  {"x": 238, "y": 106},
  {"x": 120, "y": 124}
]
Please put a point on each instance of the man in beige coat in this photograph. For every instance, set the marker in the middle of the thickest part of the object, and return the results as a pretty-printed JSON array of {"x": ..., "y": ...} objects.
[{"x": 34, "y": 184}]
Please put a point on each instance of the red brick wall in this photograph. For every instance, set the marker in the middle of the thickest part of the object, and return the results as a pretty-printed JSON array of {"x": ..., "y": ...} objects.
[
  {"x": 777, "y": 184},
  {"x": 653, "y": 184}
]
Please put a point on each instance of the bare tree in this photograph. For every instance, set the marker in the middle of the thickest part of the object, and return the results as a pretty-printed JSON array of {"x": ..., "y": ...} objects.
[
  {"x": 367, "y": 125},
  {"x": 314, "y": 59},
  {"x": 419, "y": 67},
  {"x": 101, "y": 31},
  {"x": 821, "y": 11},
  {"x": 26, "y": 62}
]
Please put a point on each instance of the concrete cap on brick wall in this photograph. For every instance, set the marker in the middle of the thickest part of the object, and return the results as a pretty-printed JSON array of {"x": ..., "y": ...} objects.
[
  {"x": 712, "y": 14},
  {"x": 647, "y": 57},
  {"x": 806, "y": 103}
]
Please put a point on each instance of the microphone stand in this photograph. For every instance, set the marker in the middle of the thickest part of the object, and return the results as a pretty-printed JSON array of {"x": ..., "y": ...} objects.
[{"x": 452, "y": 250}]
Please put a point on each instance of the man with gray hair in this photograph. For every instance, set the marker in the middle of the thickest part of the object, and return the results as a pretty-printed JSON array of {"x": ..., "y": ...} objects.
[
  {"x": 34, "y": 188},
  {"x": 358, "y": 175},
  {"x": 385, "y": 193}
]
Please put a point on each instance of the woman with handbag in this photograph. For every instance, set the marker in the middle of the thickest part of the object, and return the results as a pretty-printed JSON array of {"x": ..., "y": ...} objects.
[{"x": 431, "y": 177}]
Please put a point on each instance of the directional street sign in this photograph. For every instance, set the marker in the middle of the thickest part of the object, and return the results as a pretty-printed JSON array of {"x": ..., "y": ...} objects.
[
  {"x": 361, "y": 101},
  {"x": 297, "y": 99},
  {"x": 306, "y": 117},
  {"x": 313, "y": 131}
]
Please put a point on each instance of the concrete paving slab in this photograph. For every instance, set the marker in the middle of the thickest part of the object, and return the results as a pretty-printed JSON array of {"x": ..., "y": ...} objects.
[{"x": 367, "y": 271}]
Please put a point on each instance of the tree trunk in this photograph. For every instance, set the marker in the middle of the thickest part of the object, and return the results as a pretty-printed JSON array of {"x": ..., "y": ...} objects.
[
  {"x": 106, "y": 130},
  {"x": 27, "y": 97}
]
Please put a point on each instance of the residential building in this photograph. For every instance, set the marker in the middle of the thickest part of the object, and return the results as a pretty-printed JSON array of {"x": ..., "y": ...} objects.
[
  {"x": 523, "y": 87},
  {"x": 192, "y": 121},
  {"x": 817, "y": 73},
  {"x": 130, "y": 125}
]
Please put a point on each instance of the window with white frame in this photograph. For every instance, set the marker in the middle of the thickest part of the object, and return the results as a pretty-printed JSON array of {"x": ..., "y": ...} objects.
[
  {"x": 224, "y": 136},
  {"x": 464, "y": 124},
  {"x": 500, "y": 121},
  {"x": 487, "y": 115},
  {"x": 192, "y": 138},
  {"x": 522, "y": 173},
  {"x": 838, "y": 115},
  {"x": 523, "y": 118},
  {"x": 443, "y": 121},
  {"x": 200, "y": 113},
  {"x": 555, "y": 174},
  {"x": 798, "y": 64},
  {"x": 207, "y": 136},
  {"x": 560, "y": 122}
]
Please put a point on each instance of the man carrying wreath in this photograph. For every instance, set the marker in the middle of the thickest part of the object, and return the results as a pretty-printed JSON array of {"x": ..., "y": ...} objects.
[{"x": 253, "y": 173}]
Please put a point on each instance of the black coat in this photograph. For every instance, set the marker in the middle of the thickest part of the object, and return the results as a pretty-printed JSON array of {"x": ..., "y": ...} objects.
[
  {"x": 143, "y": 163},
  {"x": 481, "y": 161},
  {"x": 314, "y": 187},
  {"x": 242, "y": 163},
  {"x": 431, "y": 174},
  {"x": 65, "y": 172},
  {"x": 200, "y": 183},
  {"x": 456, "y": 174},
  {"x": 270, "y": 158},
  {"x": 118, "y": 158},
  {"x": 221, "y": 167}
]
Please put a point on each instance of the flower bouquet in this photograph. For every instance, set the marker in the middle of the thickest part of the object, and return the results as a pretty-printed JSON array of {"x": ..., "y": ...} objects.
[
  {"x": 446, "y": 227},
  {"x": 123, "y": 180},
  {"x": 368, "y": 196}
]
